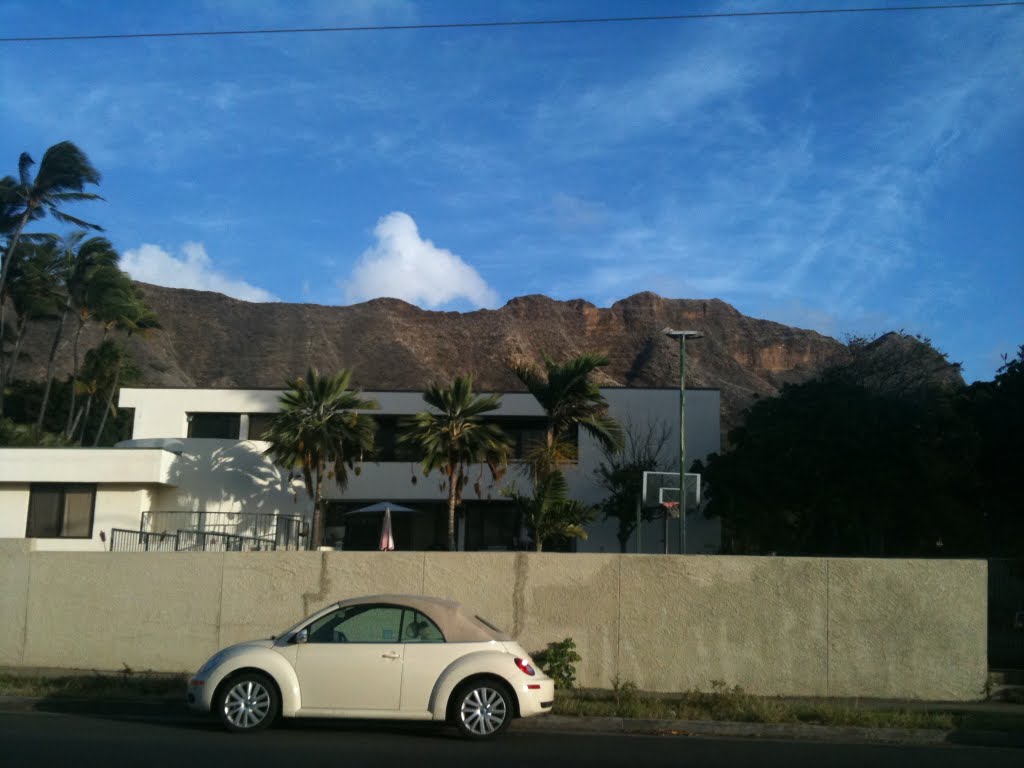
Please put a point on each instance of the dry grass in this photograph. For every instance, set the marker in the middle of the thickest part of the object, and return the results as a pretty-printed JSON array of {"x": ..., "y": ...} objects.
[
  {"x": 735, "y": 705},
  {"x": 97, "y": 685}
]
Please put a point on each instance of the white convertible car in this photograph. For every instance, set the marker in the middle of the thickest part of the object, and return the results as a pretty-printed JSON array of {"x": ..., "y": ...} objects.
[{"x": 397, "y": 657}]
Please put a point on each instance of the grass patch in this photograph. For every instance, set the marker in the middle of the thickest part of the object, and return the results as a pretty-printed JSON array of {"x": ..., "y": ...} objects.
[
  {"x": 96, "y": 685},
  {"x": 733, "y": 704}
]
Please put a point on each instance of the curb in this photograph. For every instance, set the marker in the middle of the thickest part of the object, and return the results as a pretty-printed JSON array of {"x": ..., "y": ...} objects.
[{"x": 175, "y": 710}]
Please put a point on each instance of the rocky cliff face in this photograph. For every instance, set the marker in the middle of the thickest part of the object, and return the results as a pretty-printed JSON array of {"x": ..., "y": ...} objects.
[{"x": 210, "y": 340}]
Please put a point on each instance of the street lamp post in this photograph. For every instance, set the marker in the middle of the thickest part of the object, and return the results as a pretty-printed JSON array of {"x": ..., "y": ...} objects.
[{"x": 682, "y": 336}]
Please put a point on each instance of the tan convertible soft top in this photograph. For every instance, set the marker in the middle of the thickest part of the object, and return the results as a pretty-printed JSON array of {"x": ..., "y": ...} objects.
[{"x": 456, "y": 622}]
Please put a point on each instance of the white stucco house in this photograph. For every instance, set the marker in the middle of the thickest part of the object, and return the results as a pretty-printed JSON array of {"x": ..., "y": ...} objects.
[{"x": 193, "y": 476}]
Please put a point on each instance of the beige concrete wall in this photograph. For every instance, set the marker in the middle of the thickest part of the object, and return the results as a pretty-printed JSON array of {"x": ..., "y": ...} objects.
[{"x": 785, "y": 626}]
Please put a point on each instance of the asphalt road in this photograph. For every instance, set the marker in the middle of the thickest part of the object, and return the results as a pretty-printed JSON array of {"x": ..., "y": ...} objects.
[{"x": 35, "y": 738}]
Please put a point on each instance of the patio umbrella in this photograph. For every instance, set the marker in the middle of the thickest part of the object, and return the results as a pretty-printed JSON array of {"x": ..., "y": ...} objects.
[
  {"x": 382, "y": 506},
  {"x": 387, "y": 540}
]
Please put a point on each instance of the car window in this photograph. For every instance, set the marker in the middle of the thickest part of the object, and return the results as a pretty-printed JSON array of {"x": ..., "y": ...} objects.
[
  {"x": 417, "y": 628},
  {"x": 358, "y": 624}
]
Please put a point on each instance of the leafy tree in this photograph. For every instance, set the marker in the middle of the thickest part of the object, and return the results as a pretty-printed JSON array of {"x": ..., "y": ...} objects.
[
  {"x": 841, "y": 466},
  {"x": 131, "y": 316},
  {"x": 33, "y": 292},
  {"x": 549, "y": 511},
  {"x": 104, "y": 294},
  {"x": 621, "y": 475},
  {"x": 454, "y": 436},
  {"x": 571, "y": 400},
  {"x": 997, "y": 408},
  {"x": 80, "y": 263},
  {"x": 61, "y": 178},
  {"x": 320, "y": 432}
]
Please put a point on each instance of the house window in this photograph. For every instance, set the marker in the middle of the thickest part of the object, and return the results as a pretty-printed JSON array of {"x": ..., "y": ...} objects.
[
  {"x": 222, "y": 425},
  {"x": 60, "y": 511},
  {"x": 259, "y": 423},
  {"x": 525, "y": 432}
]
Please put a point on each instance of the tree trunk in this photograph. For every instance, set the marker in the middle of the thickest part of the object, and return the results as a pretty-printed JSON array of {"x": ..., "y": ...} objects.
[
  {"x": 49, "y": 363},
  {"x": 540, "y": 544},
  {"x": 12, "y": 243},
  {"x": 68, "y": 431},
  {"x": 452, "y": 544},
  {"x": 7, "y": 369},
  {"x": 316, "y": 537},
  {"x": 110, "y": 401},
  {"x": 85, "y": 419}
]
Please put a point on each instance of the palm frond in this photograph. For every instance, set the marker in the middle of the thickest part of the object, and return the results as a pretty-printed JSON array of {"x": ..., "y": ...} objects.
[{"x": 25, "y": 163}]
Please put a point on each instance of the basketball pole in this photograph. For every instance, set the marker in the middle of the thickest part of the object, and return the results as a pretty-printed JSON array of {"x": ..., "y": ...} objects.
[{"x": 682, "y": 336}]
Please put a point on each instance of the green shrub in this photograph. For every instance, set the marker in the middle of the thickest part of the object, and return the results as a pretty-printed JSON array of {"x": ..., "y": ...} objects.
[{"x": 558, "y": 661}]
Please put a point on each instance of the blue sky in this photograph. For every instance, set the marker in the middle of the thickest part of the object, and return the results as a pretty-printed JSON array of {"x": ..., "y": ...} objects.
[{"x": 846, "y": 173}]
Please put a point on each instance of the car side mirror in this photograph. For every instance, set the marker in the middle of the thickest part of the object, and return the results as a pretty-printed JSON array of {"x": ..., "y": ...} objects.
[{"x": 301, "y": 637}]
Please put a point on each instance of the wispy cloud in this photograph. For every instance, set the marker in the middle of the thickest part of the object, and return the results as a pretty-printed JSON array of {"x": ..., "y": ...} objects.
[{"x": 192, "y": 269}]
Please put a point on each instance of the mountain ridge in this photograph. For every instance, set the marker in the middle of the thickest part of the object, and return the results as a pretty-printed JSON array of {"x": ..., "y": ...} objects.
[{"x": 212, "y": 340}]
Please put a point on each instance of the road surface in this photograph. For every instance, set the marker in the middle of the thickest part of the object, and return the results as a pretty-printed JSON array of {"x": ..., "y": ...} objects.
[{"x": 37, "y": 738}]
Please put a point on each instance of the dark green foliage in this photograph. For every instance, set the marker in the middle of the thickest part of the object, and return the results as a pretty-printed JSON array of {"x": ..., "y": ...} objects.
[
  {"x": 24, "y": 399},
  {"x": 997, "y": 410},
  {"x": 319, "y": 433},
  {"x": 453, "y": 436},
  {"x": 888, "y": 464},
  {"x": 571, "y": 400},
  {"x": 558, "y": 661}
]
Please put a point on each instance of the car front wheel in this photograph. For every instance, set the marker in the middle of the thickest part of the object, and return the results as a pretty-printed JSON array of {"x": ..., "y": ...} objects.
[
  {"x": 483, "y": 709},
  {"x": 247, "y": 702}
]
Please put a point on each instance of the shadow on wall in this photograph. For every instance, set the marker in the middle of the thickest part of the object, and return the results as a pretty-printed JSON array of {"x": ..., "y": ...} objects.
[{"x": 231, "y": 476}]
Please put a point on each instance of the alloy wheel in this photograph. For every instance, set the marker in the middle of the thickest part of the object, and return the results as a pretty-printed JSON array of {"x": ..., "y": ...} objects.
[
  {"x": 247, "y": 704},
  {"x": 483, "y": 711}
]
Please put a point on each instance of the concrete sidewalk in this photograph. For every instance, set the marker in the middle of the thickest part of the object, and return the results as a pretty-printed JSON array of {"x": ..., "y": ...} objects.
[{"x": 164, "y": 709}]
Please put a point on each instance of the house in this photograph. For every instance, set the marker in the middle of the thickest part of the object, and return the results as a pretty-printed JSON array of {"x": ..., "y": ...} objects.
[{"x": 194, "y": 476}]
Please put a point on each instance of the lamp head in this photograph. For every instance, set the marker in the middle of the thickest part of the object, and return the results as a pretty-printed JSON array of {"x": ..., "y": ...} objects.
[{"x": 682, "y": 334}]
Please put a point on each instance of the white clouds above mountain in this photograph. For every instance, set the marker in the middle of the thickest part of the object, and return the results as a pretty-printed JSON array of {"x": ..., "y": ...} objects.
[
  {"x": 403, "y": 265},
  {"x": 192, "y": 269}
]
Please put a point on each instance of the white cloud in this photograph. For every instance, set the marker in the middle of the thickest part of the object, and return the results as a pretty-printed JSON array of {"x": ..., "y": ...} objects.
[
  {"x": 152, "y": 264},
  {"x": 402, "y": 265}
]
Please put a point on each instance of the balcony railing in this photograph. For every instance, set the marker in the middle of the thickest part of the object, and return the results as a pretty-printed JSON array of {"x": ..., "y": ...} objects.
[
  {"x": 214, "y": 541},
  {"x": 122, "y": 540},
  {"x": 285, "y": 531}
]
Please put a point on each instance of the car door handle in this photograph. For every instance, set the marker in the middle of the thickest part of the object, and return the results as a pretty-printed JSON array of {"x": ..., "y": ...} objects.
[{"x": 390, "y": 655}]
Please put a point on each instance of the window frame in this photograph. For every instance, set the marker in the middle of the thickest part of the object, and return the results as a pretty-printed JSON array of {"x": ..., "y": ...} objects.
[
  {"x": 62, "y": 488},
  {"x": 232, "y": 416},
  {"x": 407, "y": 612}
]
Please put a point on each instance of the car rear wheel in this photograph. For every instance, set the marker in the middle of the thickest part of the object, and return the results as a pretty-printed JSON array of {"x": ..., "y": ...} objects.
[
  {"x": 247, "y": 702},
  {"x": 483, "y": 709}
]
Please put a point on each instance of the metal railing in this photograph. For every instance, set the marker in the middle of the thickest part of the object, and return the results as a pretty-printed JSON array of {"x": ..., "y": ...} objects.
[
  {"x": 123, "y": 540},
  {"x": 287, "y": 532},
  {"x": 215, "y": 541}
]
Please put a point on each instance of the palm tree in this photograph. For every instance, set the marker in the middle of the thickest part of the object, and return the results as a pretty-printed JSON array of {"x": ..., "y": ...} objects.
[
  {"x": 549, "y": 511},
  {"x": 33, "y": 291},
  {"x": 107, "y": 289},
  {"x": 454, "y": 436},
  {"x": 80, "y": 259},
  {"x": 63, "y": 173},
  {"x": 570, "y": 400},
  {"x": 132, "y": 316},
  {"x": 320, "y": 432}
]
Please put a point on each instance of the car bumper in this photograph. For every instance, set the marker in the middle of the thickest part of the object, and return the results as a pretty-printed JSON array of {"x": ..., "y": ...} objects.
[
  {"x": 536, "y": 697},
  {"x": 197, "y": 697}
]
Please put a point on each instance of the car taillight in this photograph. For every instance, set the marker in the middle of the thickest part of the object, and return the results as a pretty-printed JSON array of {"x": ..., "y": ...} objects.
[{"x": 524, "y": 667}]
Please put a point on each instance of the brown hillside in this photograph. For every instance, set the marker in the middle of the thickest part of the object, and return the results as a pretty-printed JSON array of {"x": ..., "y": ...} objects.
[{"x": 210, "y": 340}]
